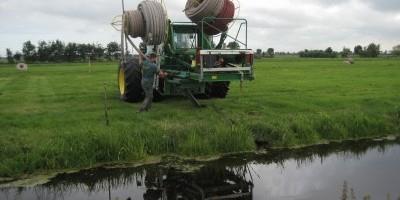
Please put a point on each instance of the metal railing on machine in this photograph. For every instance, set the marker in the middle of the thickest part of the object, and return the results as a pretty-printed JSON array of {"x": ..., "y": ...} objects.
[{"x": 205, "y": 23}]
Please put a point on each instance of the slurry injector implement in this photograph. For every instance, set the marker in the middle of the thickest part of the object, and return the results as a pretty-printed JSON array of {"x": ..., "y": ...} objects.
[{"x": 201, "y": 57}]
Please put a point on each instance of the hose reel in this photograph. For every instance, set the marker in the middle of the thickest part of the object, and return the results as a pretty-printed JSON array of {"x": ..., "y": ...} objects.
[
  {"x": 196, "y": 10},
  {"x": 222, "y": 10},
  {"x": 149, "y": 22}
]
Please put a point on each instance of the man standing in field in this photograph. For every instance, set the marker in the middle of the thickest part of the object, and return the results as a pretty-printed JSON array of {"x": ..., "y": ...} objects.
[{"x": 149, "y": 71}]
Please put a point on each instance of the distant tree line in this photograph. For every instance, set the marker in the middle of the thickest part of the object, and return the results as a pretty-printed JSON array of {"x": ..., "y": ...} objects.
[
  {"x": 259, "y": 53},
  {"x": 327, "y": 53},
  {"x": 371, "y": 51},
  {"x": 270, "y": 53},
  {"x": 58, "y": 51}
]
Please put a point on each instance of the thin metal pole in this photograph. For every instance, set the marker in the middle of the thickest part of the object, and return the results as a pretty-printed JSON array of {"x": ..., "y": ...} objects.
[
  {"x": 137, "y": 49},
  {"x": 237, "y": 34},
  {"x": 90, "y": 65},
  {"x": 106, "y": 106},
  {"x": 126, "y": 48},
  {"x": 123, "y": 41},
  {"x": 246, "y": 33}
]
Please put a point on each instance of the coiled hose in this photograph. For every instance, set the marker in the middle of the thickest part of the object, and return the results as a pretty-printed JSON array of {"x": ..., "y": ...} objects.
[
  {"x": 149, "y": 22},
  {"x": 155, "y": 22},
  {"x": 223, "y": 19},
  {"x": 134, "y": 24},
  {"x": 197, "y": 10}
]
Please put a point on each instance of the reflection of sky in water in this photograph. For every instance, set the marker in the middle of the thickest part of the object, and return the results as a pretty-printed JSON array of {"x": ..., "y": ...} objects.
[
  {"x": 375, "y": 173},
  {"x": 121, "y": 193}
]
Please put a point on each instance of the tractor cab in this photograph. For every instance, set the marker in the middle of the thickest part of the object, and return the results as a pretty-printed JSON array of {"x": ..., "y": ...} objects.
[{"x": 185, "y": 36}]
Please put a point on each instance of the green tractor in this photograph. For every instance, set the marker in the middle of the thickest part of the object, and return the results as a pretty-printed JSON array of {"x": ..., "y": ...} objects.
[{"x": 197, "y": 66}]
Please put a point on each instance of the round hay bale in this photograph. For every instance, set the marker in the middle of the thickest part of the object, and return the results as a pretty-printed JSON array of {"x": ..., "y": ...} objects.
[{"x": 22, "y": 67}]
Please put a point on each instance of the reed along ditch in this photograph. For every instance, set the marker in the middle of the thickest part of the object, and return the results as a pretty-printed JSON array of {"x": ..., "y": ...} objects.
[{"x": 366, "y": 169}]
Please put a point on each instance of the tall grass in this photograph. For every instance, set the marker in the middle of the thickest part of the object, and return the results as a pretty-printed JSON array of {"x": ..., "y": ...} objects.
[
  {"x": 306, "y": 129},
  {"x": 102, "y": 144}
]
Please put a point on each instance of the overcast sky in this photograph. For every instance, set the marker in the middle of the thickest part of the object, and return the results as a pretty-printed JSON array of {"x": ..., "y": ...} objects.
[{"x": 286, "y": 25}]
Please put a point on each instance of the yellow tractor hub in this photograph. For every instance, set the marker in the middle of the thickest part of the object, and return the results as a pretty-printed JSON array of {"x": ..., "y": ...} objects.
[{"x": 121, "y": 81}]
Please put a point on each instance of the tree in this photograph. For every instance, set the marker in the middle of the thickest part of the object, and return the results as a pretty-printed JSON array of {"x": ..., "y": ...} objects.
[
  {"x": 98, "y": 51},
  {"x": 396, "y": 50},
  {"x": 346, "y": 52},
  {"x": 373, "y": 50},
  {"x": 233, "y": 45},
  {"x": 43, "y": 51},
  {"x": 329, "y": 50},
  {"x": 71, "y": 52},
  {"x": 29, "y": 51},
  {"x": 271, "y": 52},
  {"x": 259, "y": 53},
  {"x": 18, "y": 56},
  {"x": 113, "y": 50},
  {"x": 57, "y": 50},
  {"x": 10, "y": 58},
  {"x": 89, "y": 51},
  {"x": 83, "y": 49},
  {"x": 358, "y": 50}
]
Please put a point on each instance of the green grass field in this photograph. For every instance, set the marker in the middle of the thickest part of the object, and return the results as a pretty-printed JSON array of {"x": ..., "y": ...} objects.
[{"x": 52, "y": 117}]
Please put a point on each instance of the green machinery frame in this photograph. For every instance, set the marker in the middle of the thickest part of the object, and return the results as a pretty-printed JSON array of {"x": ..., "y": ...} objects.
[{"x": 188, "y": 67}]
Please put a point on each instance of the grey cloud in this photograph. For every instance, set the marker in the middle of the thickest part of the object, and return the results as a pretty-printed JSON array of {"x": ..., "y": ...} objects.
[
  {"x": 331, "y": 2},
  {"x": 385, "y": 5},
  {"x": 286, "y": 25}
]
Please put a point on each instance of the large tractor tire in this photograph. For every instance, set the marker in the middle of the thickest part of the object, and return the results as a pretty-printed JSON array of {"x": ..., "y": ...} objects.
[
  {"x": 129, "y": 82},
  {"x": 217, "y": 90}
]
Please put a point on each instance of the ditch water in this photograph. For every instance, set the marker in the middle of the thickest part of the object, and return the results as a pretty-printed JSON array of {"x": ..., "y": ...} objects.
[{"x": 350, "y": 170}]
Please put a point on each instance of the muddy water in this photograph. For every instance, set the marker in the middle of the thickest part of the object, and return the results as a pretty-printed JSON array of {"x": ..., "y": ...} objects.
[{"x": 352, "y": 170}]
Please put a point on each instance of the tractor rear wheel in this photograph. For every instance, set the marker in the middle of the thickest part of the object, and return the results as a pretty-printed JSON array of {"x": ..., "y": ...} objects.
[
  {"x": 129, "y": 82},
  {"x": 217, "y": 89}
]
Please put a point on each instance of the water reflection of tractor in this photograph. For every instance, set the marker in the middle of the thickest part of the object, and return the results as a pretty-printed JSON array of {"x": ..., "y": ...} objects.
[
  {"x": 193, "y": 55},
  {"x": 205, "y": 184}
]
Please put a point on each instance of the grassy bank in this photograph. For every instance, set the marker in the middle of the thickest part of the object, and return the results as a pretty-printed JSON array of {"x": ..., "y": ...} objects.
[{"x": 52, "y": 117}]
